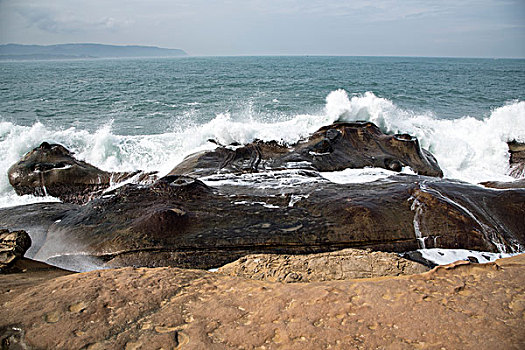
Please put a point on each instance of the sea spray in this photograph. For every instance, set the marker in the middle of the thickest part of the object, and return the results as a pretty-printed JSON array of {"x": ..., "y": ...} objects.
[{"x": 466, "y": 148}]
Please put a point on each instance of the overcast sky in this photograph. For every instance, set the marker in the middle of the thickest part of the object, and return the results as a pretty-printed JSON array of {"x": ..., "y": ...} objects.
[{"x": 468, "y": 28}]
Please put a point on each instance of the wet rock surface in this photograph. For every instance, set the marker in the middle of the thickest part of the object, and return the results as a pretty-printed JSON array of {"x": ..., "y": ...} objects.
[
  {"x": 13, "y": 246},
  {"x": 503, "y": 185},
  {"x": 257, "y": 199},
  {"x": 517, "y": 159},
  {"x": 460, "y": 306},
  {"x": 180, "y": 221},
  {"x": 334, "y": 147},
  {"x": 516, "y": 168},
  {"x": 340, "y": 265},
  {"x": 51, "y": 169}
]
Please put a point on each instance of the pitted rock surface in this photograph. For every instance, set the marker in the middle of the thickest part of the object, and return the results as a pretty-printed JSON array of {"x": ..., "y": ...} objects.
[
  {"x": 340, "y": 265},
  {"x": 459, "y": 306}
]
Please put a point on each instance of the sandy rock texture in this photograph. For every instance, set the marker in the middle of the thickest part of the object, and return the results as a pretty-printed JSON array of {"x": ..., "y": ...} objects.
[
  {"x": 340, "y": 265},
  {"x": 26, "y": 273},
  {"x": 459, "y": 306}
]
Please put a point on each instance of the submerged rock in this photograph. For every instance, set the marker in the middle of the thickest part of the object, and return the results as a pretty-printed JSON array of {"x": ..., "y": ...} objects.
[
  {"x": 335, "y": 147},
  {"x": 340, "y": 265},
  {"x": 13, "y": 245},
  {"x": 460, "y": 306},
  {"x": 51, "y": 169}
]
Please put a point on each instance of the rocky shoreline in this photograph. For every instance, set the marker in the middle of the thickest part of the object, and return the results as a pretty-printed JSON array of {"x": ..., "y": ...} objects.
[
  {"x": 265, "y": 215},
  {"x": 463, "y": 305}
]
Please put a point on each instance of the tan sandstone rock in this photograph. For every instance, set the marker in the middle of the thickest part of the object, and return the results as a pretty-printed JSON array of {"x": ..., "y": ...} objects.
[
  {"x": 340, "y": 265},
  {"x": 460, "y": 306}
]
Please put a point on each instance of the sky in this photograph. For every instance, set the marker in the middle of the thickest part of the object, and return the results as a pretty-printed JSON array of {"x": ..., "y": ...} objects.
[{"x": 450, "y": 28}]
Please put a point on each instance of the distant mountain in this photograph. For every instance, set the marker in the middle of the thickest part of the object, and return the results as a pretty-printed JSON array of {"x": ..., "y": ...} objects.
[{"x": 69, "y": 51}]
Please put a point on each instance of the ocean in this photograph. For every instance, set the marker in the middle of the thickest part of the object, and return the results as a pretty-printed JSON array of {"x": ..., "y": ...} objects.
[{"x": 148, "y": 114}]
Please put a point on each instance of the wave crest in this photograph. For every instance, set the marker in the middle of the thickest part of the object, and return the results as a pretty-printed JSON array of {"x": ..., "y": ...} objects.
[{"x": 467, "y": 148}]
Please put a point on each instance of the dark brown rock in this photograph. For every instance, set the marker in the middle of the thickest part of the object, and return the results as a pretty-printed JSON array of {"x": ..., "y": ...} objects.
[
  {"x": 459, "y": 306},
  {"x": 335, "y": 147},
  {"x": 516, "y": 166},
  {"x": 517, "y": 159},
  {"x": 51, "y": 169},
  {"x": 179, "y": 221},
  {"x": 13, "y": 245}
]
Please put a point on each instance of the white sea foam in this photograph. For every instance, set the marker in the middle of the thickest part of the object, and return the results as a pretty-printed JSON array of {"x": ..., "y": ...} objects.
[
  {"x": 361, "y": 175},
  {"x": 467, "y": 148},
  {"x": 103, "y": 148},
  {"x": 441, "y": 256},
  {"x": 268, "y": 179},
  {"x": 10, "y": 199}
]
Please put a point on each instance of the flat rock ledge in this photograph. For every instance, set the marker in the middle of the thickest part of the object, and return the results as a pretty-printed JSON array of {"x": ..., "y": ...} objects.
[
  {"x": 341, "y": 265},
  {"x": 458, "y": 306}
]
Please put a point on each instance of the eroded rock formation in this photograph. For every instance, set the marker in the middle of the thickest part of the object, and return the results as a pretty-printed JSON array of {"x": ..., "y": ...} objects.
[
  {"x": 516, "y": 168},
  {"x": 461, "y": 306},
  {"x": 288, "y": 207},
  {"x": 335, "y": 147},
  {"x": 340, "y": 265},
  {"x": 13, "y": 245},
  {"x": 517, "y": 159},
  {"x": 51, "y": 169},
  {"x": 180, "y": 221}
]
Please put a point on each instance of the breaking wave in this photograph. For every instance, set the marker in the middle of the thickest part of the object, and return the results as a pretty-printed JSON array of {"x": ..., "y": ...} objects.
[{"x": 468, "y": 148}]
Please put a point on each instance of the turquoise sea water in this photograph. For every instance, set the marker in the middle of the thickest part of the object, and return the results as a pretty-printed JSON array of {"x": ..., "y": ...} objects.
[
  {"x": 123, "y": 114},
  {"x": 149, "y": 95}
]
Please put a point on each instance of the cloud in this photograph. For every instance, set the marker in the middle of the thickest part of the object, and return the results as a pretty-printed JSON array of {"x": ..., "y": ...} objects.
[
  {"x": 51, "y": 21},
  {"x": 273, "y": 26}
]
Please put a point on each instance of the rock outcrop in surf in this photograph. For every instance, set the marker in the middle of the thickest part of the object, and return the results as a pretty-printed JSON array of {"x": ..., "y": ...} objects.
[
  {"x": 179, "y": 220},
  {"x": 335, "y": 147},
  {"x": 51, "y": 169},
  {"x": 516, "y": 168},
  {"x": 517, "y": 159}
]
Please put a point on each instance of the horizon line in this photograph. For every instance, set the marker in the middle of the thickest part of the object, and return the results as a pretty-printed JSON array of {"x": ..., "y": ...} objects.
[{"x": 276, "y": 54}]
